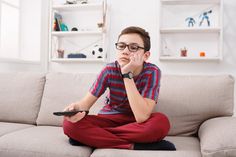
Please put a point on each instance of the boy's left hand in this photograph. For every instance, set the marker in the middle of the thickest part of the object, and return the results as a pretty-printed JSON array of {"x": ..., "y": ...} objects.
[{"x": 136, "y": 60}]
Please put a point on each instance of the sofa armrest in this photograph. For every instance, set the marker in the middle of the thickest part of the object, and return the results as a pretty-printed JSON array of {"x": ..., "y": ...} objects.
[{"x": 218, "y": 137}]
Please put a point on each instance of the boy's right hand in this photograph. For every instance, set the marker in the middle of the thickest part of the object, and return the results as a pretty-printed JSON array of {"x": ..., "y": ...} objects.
[{"x": 77, "y": 117}]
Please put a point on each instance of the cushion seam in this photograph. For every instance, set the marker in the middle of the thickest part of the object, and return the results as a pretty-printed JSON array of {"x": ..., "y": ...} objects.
[{"x": 219, "y": 150}]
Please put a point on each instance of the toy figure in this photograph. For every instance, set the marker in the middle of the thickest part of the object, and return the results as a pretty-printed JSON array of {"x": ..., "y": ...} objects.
[
  {"x": 64, "y": 27},
  {"x": 204, "y": 16},
  {"x": 190, "y": 21}
]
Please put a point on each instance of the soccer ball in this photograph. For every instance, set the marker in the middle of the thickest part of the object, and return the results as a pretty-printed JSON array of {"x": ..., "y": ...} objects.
[{"x": 97, "y": 51}]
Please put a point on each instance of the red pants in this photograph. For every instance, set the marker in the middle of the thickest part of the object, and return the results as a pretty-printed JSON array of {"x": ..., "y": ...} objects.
[{"x": 117, "y": 130}]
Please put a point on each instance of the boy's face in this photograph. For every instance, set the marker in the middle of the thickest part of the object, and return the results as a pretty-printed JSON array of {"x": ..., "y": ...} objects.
[{"x": 136, "y": 46}]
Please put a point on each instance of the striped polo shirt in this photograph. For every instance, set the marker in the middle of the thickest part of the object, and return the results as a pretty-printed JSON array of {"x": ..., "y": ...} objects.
[{"x": 147, "y": 83}]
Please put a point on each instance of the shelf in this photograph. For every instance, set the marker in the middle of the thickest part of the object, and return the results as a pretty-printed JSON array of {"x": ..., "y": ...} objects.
[
  {"x": 66, "y": 60},
  {"x": 75, "y": 33},
  {"x": 170, "y": 58},
  {"x": 176, "y": 35},
  {"x": 77, "y": 7},
  {"x": 190, "y": 30},
  {"x": 89, "y": 37},
  {"x": 189, "y": 2}
]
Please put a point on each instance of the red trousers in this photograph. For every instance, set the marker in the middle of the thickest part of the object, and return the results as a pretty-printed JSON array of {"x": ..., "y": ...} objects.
[{"x": 117, "y": 130}]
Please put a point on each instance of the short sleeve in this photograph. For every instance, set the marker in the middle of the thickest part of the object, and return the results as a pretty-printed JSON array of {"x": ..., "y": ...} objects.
[
  {"x": 152, "y": 85},
  {"x": 100, "y": 84}
]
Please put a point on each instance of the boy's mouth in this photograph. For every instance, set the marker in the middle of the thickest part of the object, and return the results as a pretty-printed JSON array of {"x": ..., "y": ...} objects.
[{"x": 124, "y": 59}]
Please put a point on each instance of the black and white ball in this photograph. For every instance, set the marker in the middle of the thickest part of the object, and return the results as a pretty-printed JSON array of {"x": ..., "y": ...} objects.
[{"x": 97, "y": 51}]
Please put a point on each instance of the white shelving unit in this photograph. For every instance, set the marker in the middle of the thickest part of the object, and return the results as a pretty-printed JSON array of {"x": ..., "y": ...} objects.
[
  {"x": 75, "y": 33},
  {"x": 191, "y": 2},
  {"x": 88, "y": 37},
  {"x": 175, "y": 34},
  {"x": 70, "y": 7},
  {"x": 68, "y": 60}
]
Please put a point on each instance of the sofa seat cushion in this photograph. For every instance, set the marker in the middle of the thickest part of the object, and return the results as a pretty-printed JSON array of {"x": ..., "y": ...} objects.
[
  {"x": 186, "y": 147},
  {"x": 10, "y": 127},
  {"x": 20, "y": 96},
  {"x": 189, "y": 100},
  {"x": 40, "y": 141}
]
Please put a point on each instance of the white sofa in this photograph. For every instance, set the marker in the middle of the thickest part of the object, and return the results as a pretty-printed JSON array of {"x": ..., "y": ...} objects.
[{"x": 200, "y": 110}]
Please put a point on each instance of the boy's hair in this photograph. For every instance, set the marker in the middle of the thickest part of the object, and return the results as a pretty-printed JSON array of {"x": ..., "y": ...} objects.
[{"x": 141, "y": 32}]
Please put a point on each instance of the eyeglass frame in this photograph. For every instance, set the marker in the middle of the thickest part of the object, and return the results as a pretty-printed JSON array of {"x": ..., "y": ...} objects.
[{"x": 128, "y": 45}]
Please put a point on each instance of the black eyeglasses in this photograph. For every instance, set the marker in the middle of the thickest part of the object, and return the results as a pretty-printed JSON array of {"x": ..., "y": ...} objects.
[{"x": 132, "y": 47}]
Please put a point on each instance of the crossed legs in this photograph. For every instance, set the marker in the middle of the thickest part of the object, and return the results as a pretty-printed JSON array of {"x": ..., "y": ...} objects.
[{"x": 117, "y": 131}]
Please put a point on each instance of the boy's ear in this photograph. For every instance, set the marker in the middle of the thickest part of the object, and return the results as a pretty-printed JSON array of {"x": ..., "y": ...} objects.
[{"x": 146, "y": 55}]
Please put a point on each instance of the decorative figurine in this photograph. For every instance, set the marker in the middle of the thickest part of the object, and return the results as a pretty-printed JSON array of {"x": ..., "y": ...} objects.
[
  {"x": 64, "y": 27},
  {"x": 204, "y": 16},
  {"x": 74, "y": 29},
  {"x": 190, "y": 21},
  {"x": 166, "y": 51},
  {"x": 100, "y": 25},
  {"x": 202, "y": 54},
  {"x": 60, "y": 53},
  {"x": 183, "y": 52}
]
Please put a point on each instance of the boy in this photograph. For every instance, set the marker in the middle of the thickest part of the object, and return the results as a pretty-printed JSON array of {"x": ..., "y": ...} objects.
[{"x": 126, "y": 121}]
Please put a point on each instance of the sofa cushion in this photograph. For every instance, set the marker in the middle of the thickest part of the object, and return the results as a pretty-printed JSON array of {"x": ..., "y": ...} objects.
[
  {"x": 217, "y": 137},
  {"x": 190, "y": 100},
  {"x": 20, "y": 96},
  {"x": 40, "y": 141},
  {"x": 60, "y": 90},
  {"x": 11, "y": 127},
  {"x": 186, "y": 147}
]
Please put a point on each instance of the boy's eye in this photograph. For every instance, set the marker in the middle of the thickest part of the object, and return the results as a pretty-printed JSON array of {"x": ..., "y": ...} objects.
[
  {"x": 133, "y": 47},
  {"x": 121, "y": 46}
]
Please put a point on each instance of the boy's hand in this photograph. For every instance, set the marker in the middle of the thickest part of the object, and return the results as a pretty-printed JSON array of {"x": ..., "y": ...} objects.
[
  {"x": 136, "y": 60},
  {"x": 77, "y": 117}
]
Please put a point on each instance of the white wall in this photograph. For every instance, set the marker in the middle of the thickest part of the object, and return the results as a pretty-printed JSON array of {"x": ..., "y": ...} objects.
[{"x": 30, "y": 29}]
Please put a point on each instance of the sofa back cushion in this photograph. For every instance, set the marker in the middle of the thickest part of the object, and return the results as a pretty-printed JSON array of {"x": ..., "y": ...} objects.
[
  {"x": 20, "y": 96},
  {"x": 186, "y": 100},
  {"x": 190, "y": 100},
  {"x": 62, "y": 89}
]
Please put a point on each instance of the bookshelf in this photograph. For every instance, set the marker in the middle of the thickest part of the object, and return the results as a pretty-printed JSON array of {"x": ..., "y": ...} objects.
[
  {"x": 201, "y": 37},
  {"x": 78, "y": 32}
]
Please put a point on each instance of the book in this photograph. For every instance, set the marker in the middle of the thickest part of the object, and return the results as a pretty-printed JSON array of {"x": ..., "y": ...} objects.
[{"x": 58, "y": 21}]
